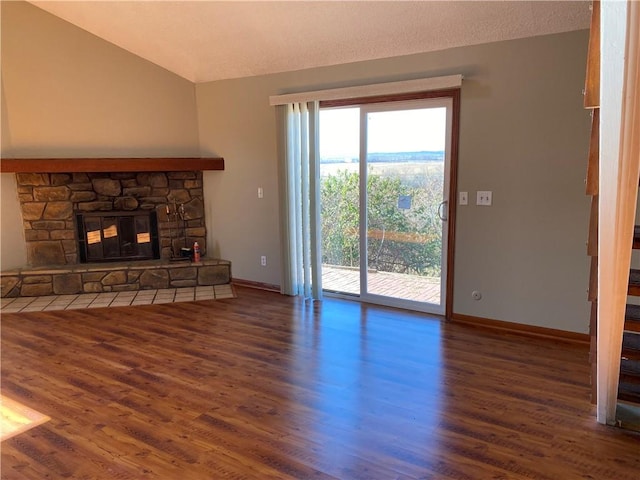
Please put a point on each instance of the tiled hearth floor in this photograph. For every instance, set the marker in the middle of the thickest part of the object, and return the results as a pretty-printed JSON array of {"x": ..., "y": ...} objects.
[{"x": 116, "y": 299}]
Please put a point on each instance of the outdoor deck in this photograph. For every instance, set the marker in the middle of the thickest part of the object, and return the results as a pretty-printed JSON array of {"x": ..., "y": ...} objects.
[{"x": 397, "y": 285}]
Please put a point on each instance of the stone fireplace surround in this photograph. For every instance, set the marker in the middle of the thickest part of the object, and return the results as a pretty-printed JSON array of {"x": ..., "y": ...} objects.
[{"x": 49, "y": 202}]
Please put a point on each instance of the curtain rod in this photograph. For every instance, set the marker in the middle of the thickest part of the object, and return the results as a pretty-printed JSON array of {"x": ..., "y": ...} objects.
[{"x": 390, "y": 88}]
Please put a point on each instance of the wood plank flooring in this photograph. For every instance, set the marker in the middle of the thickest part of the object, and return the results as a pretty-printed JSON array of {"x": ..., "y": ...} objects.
[{"x": 270, "y": 387}]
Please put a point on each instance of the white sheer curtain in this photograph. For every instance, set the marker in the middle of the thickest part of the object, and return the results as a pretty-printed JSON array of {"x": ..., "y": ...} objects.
[{"x": 300, "y": 201}]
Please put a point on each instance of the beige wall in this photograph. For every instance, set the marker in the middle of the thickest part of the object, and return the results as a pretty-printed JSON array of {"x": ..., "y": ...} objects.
[
  {"x": 67, "y": 93},
  {"x": 524, "y": 135},
  {"x": 12, "y": 243}
]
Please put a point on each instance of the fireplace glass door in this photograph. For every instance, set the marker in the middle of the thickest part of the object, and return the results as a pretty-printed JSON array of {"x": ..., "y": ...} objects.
[{"x": 113, "y": 236}]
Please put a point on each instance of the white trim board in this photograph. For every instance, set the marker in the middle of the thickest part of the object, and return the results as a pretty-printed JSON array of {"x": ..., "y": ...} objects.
[
  {"x": 618, "y": 190},
  {"x": 391, "y": 88}
]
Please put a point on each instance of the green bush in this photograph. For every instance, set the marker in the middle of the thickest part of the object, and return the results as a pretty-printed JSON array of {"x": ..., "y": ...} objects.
[{"x": 404, "y": 240}]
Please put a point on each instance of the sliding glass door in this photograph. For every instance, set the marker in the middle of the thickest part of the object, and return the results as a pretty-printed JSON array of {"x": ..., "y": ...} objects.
[
  {"x": 385, "y": 183},
  {"x": 340, "y": 199}
]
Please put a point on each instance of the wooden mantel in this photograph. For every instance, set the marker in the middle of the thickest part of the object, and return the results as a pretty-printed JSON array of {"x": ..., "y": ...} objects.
[{"x": 72, "y": 165}]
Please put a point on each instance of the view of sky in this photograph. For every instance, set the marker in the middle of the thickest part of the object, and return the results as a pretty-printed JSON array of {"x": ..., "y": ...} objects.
[{"x": 391, "y": 131}]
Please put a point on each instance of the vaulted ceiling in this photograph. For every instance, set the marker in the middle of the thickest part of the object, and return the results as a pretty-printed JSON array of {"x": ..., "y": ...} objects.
[{"x": 213, "y": 40}]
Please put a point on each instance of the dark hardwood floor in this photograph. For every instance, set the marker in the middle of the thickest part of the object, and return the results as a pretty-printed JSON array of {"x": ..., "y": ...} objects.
[{"x": 268, "y": 387}]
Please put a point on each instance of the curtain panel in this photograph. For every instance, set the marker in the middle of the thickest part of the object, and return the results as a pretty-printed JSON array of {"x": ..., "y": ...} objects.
[{"x": 300, "y": 199}]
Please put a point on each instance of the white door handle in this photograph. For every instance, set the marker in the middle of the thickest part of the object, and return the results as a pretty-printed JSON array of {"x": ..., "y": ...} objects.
[{"x": 442, "y": 210}]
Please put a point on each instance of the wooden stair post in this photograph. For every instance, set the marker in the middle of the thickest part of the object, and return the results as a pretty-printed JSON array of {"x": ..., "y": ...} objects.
[
  {"x": 592, "y": 101},
  {"x": 629, "y": 385}
]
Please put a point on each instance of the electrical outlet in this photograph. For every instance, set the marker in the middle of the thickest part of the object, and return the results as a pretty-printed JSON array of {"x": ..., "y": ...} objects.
[
  {"x": 484, "y": 198},
  {"x": 263, "y": 260},
  {"x": 464, "y": 198}
]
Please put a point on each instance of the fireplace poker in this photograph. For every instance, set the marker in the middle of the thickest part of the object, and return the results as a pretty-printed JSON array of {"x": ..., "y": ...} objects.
[
  {"x": 176, "y": 216},
  {"x": 184, "y": 251},
  {"x": 170, "y": 232},
  {"x": 184, "y": 225}
]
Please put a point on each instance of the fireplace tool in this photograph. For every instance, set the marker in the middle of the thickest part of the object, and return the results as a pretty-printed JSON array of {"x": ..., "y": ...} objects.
[{"x": 185, "y": 252}]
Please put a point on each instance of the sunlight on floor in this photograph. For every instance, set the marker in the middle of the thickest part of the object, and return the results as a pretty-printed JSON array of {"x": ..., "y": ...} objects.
[{"x": 16, "y": 418}]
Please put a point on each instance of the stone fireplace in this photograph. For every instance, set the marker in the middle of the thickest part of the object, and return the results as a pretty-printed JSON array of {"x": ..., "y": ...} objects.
[
  {"x": 51, "y": 203},
  {"x": 139, "y": 224}
]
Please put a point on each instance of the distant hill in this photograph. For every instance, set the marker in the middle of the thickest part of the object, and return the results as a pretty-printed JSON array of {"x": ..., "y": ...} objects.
[{"x": 392, "y": 157}]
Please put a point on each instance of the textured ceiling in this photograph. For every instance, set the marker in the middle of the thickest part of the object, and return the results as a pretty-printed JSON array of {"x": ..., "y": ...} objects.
[{"x": 212, "y": 40}]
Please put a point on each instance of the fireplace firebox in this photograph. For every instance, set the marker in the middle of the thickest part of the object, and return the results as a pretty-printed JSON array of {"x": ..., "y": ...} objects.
[{"x": 117, "y": 236}]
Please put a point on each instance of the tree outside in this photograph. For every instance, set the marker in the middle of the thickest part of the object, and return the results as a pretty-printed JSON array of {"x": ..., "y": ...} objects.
[{"x": 404, "y": 230}]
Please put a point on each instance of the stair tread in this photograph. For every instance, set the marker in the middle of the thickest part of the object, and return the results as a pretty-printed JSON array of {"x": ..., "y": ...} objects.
[
  {"x": 631, "y": 356},
  {"x": 634, "y": 277},
  {"x": 632, "y": 318},
  {"x": 632, "y": 312},
  {"x": 629, "y": 387},
  {"x": 630, "y": 366},
  {"x": 631, "y": 341},
  {"x": 629, "y": 396},
  {"x": 631, "y": 325},
  {"x": 634, "y": 283},
  {"x": 628, "y": 383}
]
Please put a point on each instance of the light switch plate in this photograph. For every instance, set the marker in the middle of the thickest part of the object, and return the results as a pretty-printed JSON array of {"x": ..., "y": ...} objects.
[
  {"x": 464, "y": 198},
  {"x": 484, "y": 198}
]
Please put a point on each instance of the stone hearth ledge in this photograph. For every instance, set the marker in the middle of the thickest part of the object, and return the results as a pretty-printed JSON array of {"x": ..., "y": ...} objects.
[{"x": 112, "y": 277}]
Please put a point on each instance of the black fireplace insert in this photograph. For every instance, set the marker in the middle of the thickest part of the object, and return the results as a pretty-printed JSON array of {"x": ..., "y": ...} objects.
[{"x": 117, "y": 236}]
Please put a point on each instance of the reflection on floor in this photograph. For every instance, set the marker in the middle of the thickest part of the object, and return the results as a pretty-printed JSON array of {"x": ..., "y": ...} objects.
[{"x": 116, "y": 299}]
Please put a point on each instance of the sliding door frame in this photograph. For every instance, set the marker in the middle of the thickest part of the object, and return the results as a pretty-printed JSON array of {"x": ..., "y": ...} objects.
[{"x": 454, "y": 94}]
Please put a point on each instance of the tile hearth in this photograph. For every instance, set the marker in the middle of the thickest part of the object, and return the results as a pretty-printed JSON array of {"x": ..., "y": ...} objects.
[{"x": 116, "y": 299}]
